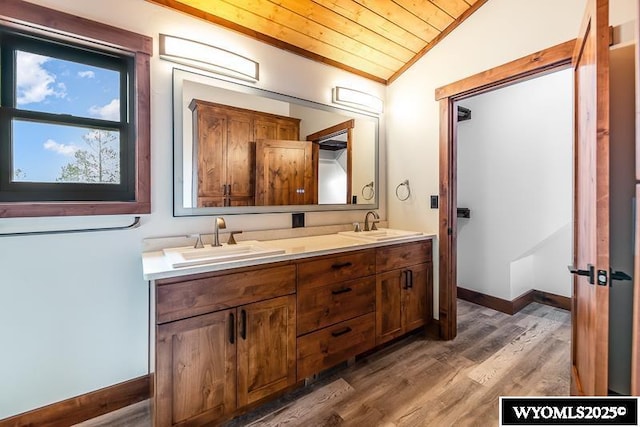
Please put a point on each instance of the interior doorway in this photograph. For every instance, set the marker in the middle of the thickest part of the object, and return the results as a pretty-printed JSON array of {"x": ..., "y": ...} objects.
[{"x": 515, "y": 190}]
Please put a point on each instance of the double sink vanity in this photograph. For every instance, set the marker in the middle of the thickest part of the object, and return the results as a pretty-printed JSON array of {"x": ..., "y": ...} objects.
[{"x": 236, "y": 325}]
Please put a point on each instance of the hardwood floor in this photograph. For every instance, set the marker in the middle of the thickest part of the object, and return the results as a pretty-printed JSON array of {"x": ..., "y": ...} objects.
[{"x": 421, "y": 382}]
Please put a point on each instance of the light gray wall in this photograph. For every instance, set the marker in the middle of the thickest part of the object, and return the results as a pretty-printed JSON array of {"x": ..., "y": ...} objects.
[{"x": 515, "y": 163}]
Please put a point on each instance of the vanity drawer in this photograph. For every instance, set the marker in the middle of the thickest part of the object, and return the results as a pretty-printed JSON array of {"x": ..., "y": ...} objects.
[
  {"x": 324, "y": 305},
  {"x": 403, "y": 255},
  {"x": 335, "y": 269},
  {"x": 329, "y": 346},
  {"x": 218, "y": 292}
]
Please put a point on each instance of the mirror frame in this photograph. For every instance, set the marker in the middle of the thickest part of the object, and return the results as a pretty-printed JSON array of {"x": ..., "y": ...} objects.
[{"x": 179, "y": 75}]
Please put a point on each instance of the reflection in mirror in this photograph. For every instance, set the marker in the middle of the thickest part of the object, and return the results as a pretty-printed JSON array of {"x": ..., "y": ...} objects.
[{"x": 239, "y": 149}]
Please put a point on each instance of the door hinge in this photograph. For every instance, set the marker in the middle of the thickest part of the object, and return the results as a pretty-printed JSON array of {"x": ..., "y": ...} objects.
[{"x": 449, "y": 231}]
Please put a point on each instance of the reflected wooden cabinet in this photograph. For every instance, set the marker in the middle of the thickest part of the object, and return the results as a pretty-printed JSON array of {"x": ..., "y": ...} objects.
[
  {"x": 284, "y": 173},
  {"x": 224, "y": 151},
  {"x": 404, "y": 289}
]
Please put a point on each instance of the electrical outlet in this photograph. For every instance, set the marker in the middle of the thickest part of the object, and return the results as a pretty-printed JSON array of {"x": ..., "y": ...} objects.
[{"x": 297, "y": 220}]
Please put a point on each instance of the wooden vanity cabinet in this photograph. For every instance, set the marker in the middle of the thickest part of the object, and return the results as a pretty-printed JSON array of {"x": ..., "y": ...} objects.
[
  {"x": 212, "y": 360},
  {"x": 224, "y": 150},
  {"x": 336, "y": 310},
  {"x": 404, "y": 289}
]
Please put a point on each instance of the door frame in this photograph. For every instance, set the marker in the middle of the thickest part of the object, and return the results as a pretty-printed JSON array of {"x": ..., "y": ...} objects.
[
  {"x": 536, "y": 64},
  {"x": 317, "y": 137}
]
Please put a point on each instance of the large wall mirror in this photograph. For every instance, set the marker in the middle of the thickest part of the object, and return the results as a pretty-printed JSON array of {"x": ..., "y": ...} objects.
[{"x": 239, "y": 149}]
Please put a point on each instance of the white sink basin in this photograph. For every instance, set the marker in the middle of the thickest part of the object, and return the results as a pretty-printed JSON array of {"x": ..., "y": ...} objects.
[
  {"x": 189, "y": 256},
  {"x": 381, "y": 235}
]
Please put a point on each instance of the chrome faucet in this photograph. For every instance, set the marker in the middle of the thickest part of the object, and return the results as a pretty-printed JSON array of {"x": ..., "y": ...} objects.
[
  {"x": 217, "y": 225},
  {"x": 373, "y": 223}
]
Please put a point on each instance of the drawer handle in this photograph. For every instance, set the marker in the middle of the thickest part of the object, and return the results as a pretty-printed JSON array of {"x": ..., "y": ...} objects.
[
  {"x": 341, "y": 265},
  {"x": 341, "y": 332},
  {"x": 243, "y": 331},
  {"x": 341, "y": 291},
  {"x": 232, "y": 328}
]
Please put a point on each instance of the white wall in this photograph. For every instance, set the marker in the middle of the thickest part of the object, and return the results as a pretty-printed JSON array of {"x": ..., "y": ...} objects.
[
  {"x": 73, "y": 308},
  {"x": 499, "y": 32},
  {"x": 515, "y": 174}
]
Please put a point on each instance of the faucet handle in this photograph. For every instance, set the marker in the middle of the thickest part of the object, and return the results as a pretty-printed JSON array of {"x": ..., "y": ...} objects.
[
  {"x": 198, "y": 244},
  {"x": 356, "y": 227},
  {"x": 373, "y": 224},
  {"x": 232, "y": 240}
]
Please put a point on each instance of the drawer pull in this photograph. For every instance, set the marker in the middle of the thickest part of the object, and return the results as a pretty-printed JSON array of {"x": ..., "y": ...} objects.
[
  {"x": 243, "y": 331},
  {"x": 232, "y": 328},
  {"x": 341, "y": 291},
  {"x": 341, "y": 332},
  {"x": 340, "y": 265}
]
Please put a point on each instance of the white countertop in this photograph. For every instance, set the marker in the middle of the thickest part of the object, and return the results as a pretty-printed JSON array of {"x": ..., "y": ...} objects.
[{"x": 155, "y": 265}]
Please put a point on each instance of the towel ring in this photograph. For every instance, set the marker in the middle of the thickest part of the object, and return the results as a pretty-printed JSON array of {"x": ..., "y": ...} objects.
[
  {"x": 404, "y": 183},
  {"x": 370, "y": 193}
]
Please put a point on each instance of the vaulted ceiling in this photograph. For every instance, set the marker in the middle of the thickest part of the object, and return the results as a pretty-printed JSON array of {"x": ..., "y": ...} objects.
[{"x": 377, "y": 39}]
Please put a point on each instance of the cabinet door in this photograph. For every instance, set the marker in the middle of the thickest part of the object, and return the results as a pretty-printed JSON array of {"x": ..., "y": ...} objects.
[
  {"x": 389, "y": 288},
  {"x": 274, "y": 128},
  {"x": 266, "y": 348},
  {"x": 240, "y": 159},
  {"x": 210, "y": 131},
  {"x": 283, "y": 172},
  {"x": 417, "y": 302},
  {"x": 195, "y": 370}
]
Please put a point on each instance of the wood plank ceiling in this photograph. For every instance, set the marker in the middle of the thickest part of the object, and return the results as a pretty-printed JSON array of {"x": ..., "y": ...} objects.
[{"x": 377, "y": 39}]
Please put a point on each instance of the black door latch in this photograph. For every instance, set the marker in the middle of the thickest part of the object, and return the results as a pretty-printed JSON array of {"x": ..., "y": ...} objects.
[{"x": 590, "y": 273}]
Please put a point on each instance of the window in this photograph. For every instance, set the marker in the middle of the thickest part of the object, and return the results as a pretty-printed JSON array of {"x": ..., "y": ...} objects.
[{"x": 74, "y": 117}]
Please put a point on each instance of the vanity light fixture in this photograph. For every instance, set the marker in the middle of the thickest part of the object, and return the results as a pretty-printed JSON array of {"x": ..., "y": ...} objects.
[
  {"x": 357, "y": 99},
  {"x": 208, "y": 58}
]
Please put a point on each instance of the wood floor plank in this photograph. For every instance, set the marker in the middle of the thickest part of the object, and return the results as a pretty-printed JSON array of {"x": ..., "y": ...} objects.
[{"x": 422, "y": 382}]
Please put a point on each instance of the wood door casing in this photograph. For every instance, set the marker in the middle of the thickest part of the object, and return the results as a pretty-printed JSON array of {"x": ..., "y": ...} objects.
[
  {"x": 266, "y": 348},
  {"x": 195, "y": 370},
  {"x": 590, "y": 310},
  {"x": 554, "y": 58},
  {"x": 284, "y": 172}
]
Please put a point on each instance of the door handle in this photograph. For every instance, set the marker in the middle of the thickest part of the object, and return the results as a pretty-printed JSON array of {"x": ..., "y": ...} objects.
[
  {"x": 410, "y": 285},
  {"x": 243, "y": 331},
  {"x": 620, "y": 275},
  {"x": 590, "y": 273},
  {"x": 232, "y": 328},
  {"x": 406, "y": 279}
]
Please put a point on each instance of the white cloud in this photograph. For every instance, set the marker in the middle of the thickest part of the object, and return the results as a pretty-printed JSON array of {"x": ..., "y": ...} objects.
[
  {"x": 111, "y": 111},
  {"x": 64, "y": 149},
  {"x": 87, "y": 74},
  {"x": 34, "y": 83}
]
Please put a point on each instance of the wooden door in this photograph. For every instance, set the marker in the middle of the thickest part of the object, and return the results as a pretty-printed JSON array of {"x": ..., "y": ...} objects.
[
  {"x": 416, "y": 304},
  {"x": 195, "y": 370},
  {"x": 240, "y": 160},
  {"x": 389, "y": 288},
  {"x": 590, "y": 310},
  {"x": 284, "y": 172},
  {"x": 210, "y": 131},
  {"x": 266, "y": 348}
]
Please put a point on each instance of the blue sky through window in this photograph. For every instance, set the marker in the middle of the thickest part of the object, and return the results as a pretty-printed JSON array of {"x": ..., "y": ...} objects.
[{"x": 52, "y": 85}]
